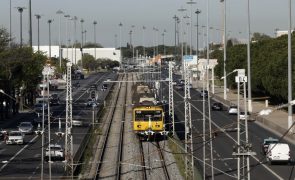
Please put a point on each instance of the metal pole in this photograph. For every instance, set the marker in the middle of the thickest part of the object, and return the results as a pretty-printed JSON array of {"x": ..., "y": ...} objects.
[
  {"x": 94, "y": 36},
  {"x": 10, "y": 24},
  {"x": 30, "y": 24},
  {"x": 43, "y": 120},
  {"x": 49, "y": 22},
  {"x": 75, "y": 37},
  {"x": 120, "y": 25},
  {"x": 20, "y": 10},
  {"x": 59, "y": 12},
  {"x": 197, "y": 51},
  {"x": 246, "y": 129},
  {"x": 290, "y": 120},
  {"x": 238, "y": 133},
  {"x": 249, "y": 61},
  {"x": 67, "y": 34},
  {"x": 191, "y": 34},
  {"x": 204, "y": 129},
  {"x": 175, "y": 21},
  {"x": 143, "y": 44},
  {"x": 224, "y": 51},
  {"x": 209, "y": 114},
  {"x": 82, "y": 20},
  {"x": 182, "y": 10},
  {"x": 38, "y": 33}
]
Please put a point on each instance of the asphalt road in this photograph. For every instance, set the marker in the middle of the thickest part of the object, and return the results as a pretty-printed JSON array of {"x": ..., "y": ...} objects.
[
  {"x": 225, "y": 164},
  {"x": 24, "y": 161}
]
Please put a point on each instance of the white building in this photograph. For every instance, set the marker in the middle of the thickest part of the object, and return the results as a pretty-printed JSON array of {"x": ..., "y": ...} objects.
[
  {"x": 74, "y": 55},
  {"x": 281, "y": 33}
]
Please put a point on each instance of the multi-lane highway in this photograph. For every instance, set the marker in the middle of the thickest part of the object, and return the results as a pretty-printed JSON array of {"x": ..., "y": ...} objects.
[
  {"x": 225, "y": 164},
  {"x": 24, "y": 161}
]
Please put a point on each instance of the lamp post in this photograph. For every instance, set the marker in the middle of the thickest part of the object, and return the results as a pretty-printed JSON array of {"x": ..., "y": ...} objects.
[
  {"x": 290, "y": 120},
  {"x": 81, "y": 49},
  {"x": 49, "y": 26},
  {"x": 209, "y": 113},
  {"x": 67, "y": 33},
  {"x": 30, "y": 24},
  {"x": 175, "y": 33},
  {"x": 191, "y": 2},
  {"x": 94, "y": 36},
  {"x": 85, "y": 33},
  {"x": 249, "y": 59},
  {"x": 120, "y": 26},
  {"x": 197, "y": 12},
  {"x": 10, "y": 30},
  {"x": 59, "y": 12},
  {"x": 38, "y": 33},
  {"x": 20, "y": 10},
  {"x": 75, "y": 36},
  {"x": 163, "y": 34},
  {"x": 143, "y": 41},
  {"x": 224, "y": 50},
  {"x": 182, "y": 65}
]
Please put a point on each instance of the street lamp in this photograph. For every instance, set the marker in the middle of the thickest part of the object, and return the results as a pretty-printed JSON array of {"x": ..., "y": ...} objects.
[
  {"x": 30, "y": 24},
  {"x": 143, "y": 43},
  {"x": 94, "y": 36},
  {"x": 290, "y": 120},
  {"x": 81, "y": 49},
  {"x": 59, "y": 12},
  {"x": 20, "y": 10},
  {"x": 197, "y": 12},
  {"x": 181, "y": 25},
  {"x": 67, "y": 33},
  {"x": 191, "y": 2},
  {"x": 38, "y": 16},
  {"x": 120, "y": 26},
  {"x": 249, "y": 63},
  {"x": 49, "y": 26}
]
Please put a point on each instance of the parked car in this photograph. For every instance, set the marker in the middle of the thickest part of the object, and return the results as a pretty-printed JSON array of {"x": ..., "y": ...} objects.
[
  {"x": 204, "y": 93},
  {"x": 278, "y": 152},
  {"x": 243, "y": 117},
  {"x": 26, "y": 127},
  {"x": 233, "y": 110},
  {"x": 15, "y": 137},
  {"x": 39, "y": 107},
  {"x": 217, "y": 106},
  {"x": 91, "y": 103},
  {"x": 266, "y": 143},
  {"x": 104, "y": 87},
  {"x": 56, "y": 152},
  {"x": 54, "y": 99},
  {"x": 179, "y": 87}
]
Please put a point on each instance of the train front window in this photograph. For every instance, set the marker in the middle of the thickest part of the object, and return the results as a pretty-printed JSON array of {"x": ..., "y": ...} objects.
[{"x": 148, "y": 115}]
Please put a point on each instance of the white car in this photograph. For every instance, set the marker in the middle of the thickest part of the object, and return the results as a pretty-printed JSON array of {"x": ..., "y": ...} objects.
[
  {"x": 26, "y": 127},
  {"x": 243, "y": 117},
  {"x": 278, "y": 152},
  {"x": 56, "y": 152},
  {"x": 233, "y": 110},
  {"x": 15, "y": 137}
]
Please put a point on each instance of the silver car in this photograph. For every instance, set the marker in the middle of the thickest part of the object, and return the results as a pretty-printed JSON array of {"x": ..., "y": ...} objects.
[{"x": 26, "y": 127}]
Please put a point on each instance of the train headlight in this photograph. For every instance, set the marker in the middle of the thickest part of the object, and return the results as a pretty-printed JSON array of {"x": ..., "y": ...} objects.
[{"x": 139, "y": 126}]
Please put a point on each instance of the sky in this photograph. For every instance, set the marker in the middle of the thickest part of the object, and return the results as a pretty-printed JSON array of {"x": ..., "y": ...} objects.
[{"x": 265, "y": 15}]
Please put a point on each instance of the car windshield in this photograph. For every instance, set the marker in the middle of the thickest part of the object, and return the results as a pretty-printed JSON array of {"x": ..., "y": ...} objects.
[
  {"x": 15, "y": 134},
  {"x": 25, "y": 125},
  {"x": 267, "y": 142}
]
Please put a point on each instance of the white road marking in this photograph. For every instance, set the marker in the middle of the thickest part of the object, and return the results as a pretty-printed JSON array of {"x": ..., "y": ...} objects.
[{"x": 17, "y": 154}]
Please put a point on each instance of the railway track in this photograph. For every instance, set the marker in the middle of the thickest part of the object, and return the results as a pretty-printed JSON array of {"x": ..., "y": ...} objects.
[{"x": 111, "y": 149}]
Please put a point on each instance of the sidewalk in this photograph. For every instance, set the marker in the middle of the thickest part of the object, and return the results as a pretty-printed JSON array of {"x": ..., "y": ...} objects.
[{"x": 277, "y": 121}]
